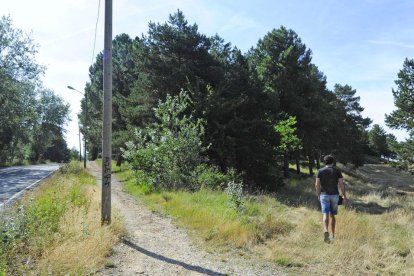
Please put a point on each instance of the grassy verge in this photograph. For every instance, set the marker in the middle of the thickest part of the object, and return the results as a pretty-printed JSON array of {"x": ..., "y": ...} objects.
[
  {"x": 56, "y": 229},
  {"x": 367, "y": 242},
  {"x": 287, "y": 228}
]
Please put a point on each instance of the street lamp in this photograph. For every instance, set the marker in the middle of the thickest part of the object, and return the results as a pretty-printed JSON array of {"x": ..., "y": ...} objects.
[
  {"x": 86, "y": 124},
  {"x": 80, "y": 147}
]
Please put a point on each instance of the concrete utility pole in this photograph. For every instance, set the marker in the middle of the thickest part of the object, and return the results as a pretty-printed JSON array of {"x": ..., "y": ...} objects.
[{"x": 107, "y": 118}]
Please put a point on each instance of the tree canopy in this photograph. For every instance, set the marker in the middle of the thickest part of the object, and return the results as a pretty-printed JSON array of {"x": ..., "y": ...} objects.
[
  {"x": 239, "y": 97},
  {"x": 403, "y": 116},
  {"x": 32, "y": 118}
]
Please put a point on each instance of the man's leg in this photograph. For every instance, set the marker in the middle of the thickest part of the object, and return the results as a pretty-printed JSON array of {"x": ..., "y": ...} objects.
[
  {"x": 333, "y": 223},
  {"x": 325, "y": 205},
  {"x": 333, "y": 213},
  {"x": 326, "y": 222},
  {"x": 326, "y": 227}
]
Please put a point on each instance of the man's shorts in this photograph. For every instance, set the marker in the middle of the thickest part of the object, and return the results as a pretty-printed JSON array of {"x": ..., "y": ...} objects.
[{"x": 329, "y": 204}]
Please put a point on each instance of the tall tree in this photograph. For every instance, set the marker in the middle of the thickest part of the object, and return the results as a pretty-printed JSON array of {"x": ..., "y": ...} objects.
[
  {"x": 313, "y": 120},
  {"x": 352, "y": 136},
  {"x": 53, "y": 113},
  {"x": 391, "y": 145},
  {"x": 94, "y": 94},
  {"x": 378, "y": 141},
  {"x": 172, "y": 56},
  {"x": 124, "y": 77},
  {"x": 281, "y": 61},
  {"x": 19, "y": 74},
  {"x": 293, "y": 84},
  {"x": 403, "y": 116},
  {"x": 17, "y": 53},
  {"x": 237, "y": 127}
]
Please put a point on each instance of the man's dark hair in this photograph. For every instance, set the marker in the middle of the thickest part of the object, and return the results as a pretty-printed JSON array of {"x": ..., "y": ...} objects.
[{"x": 329, "y": 159}]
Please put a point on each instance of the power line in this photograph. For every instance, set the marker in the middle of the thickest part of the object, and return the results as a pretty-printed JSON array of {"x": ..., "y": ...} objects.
[{"x": 96, "y": 28}]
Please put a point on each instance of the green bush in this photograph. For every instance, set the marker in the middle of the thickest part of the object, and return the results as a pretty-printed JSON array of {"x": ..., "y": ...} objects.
[
  {"x": 169, "y": 151},
  {"x": 235, "y": 192},
  {"x": 210, "y": 177}
]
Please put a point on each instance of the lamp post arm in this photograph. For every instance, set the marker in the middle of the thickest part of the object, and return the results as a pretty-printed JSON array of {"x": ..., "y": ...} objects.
[{"x": 86, "y": 123}]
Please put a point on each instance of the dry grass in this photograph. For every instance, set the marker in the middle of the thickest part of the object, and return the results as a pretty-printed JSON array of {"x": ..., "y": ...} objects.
[
  {"x": 374, "y": 233},
  {"x": 69, "y": 240},
  {"x": 85, "y": 244},
  {"x": 364, "y": 244}
]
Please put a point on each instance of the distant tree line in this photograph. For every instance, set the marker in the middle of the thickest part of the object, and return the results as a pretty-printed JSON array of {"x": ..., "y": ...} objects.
[
  {"x": 32, "y": 118},
  {"x": 262, "y": 110}
]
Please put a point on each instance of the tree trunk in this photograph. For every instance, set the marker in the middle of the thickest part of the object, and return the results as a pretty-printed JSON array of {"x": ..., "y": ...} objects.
[
  {"x": 286, "y": 165},
  {"x": 119, "y": 160},
  {"x": 311, "y": 164},
  {"x": 94, "y": 153},
  {"x": 13, "y": 148},
  {"x": 318, "y": 163},
  {"x": 297, "y": 163}
]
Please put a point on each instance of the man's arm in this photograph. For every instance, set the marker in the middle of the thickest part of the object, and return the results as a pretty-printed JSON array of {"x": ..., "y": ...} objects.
[
  {"x": 341, "y": 184},
  {"x": 318, "y": 188}
]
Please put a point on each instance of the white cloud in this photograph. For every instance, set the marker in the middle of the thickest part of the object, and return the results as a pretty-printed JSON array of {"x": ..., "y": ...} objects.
[
  {"x": 239, "y": 22},
  {"x": 391, "y": 43}
]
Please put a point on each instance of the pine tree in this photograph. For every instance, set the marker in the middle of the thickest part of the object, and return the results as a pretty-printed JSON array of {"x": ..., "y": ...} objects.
[
  {"x": 403, "y": 116},
  {"x": 352, "y": 137},
  {"x": 378, "y": 141}
]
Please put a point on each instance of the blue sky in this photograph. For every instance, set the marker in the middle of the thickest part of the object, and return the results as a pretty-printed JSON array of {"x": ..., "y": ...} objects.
[{"x": 361, "y": 43}]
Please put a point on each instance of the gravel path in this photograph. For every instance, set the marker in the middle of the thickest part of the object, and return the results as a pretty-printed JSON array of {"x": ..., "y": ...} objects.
[{"x": 155, "y": 246}]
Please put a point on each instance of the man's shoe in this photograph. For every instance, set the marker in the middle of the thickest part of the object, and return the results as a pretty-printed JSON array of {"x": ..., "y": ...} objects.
[
  {"x": 326, "y": 237},
  {"x": 331, "y": 238}
]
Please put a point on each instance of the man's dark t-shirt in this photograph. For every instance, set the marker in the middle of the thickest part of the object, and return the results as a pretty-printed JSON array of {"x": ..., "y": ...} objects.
[{"x": 329, "y": 180}]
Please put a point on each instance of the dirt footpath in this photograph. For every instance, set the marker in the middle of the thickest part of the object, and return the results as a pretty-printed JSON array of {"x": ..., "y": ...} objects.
[
  {"x": 385, "y": 176},
  {"x": 155, "y": 246}
]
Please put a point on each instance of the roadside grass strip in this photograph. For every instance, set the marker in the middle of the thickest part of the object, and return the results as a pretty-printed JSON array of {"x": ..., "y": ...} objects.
[{"x": 56, "y": 229}]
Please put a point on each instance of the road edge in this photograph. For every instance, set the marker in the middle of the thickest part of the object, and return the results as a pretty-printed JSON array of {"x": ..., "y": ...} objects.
[{"x": 18, "y": 195}]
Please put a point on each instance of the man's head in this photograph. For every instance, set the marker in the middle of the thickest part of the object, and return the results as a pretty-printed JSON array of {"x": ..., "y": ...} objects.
[{"x": 329, "y": 160}]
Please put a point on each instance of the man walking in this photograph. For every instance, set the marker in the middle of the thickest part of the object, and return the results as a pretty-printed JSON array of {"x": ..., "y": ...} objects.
[{"x": 326, "y": 184}]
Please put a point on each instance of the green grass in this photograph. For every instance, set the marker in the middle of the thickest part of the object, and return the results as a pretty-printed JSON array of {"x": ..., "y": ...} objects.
[
  {"x": 210, "y": 213},
  {"x": 304, "y": 168},
  {"x": 127, "y": 177}
]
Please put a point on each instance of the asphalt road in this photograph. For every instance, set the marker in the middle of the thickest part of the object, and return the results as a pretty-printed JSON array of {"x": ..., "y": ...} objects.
[{"x": 14, "y": 180}]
